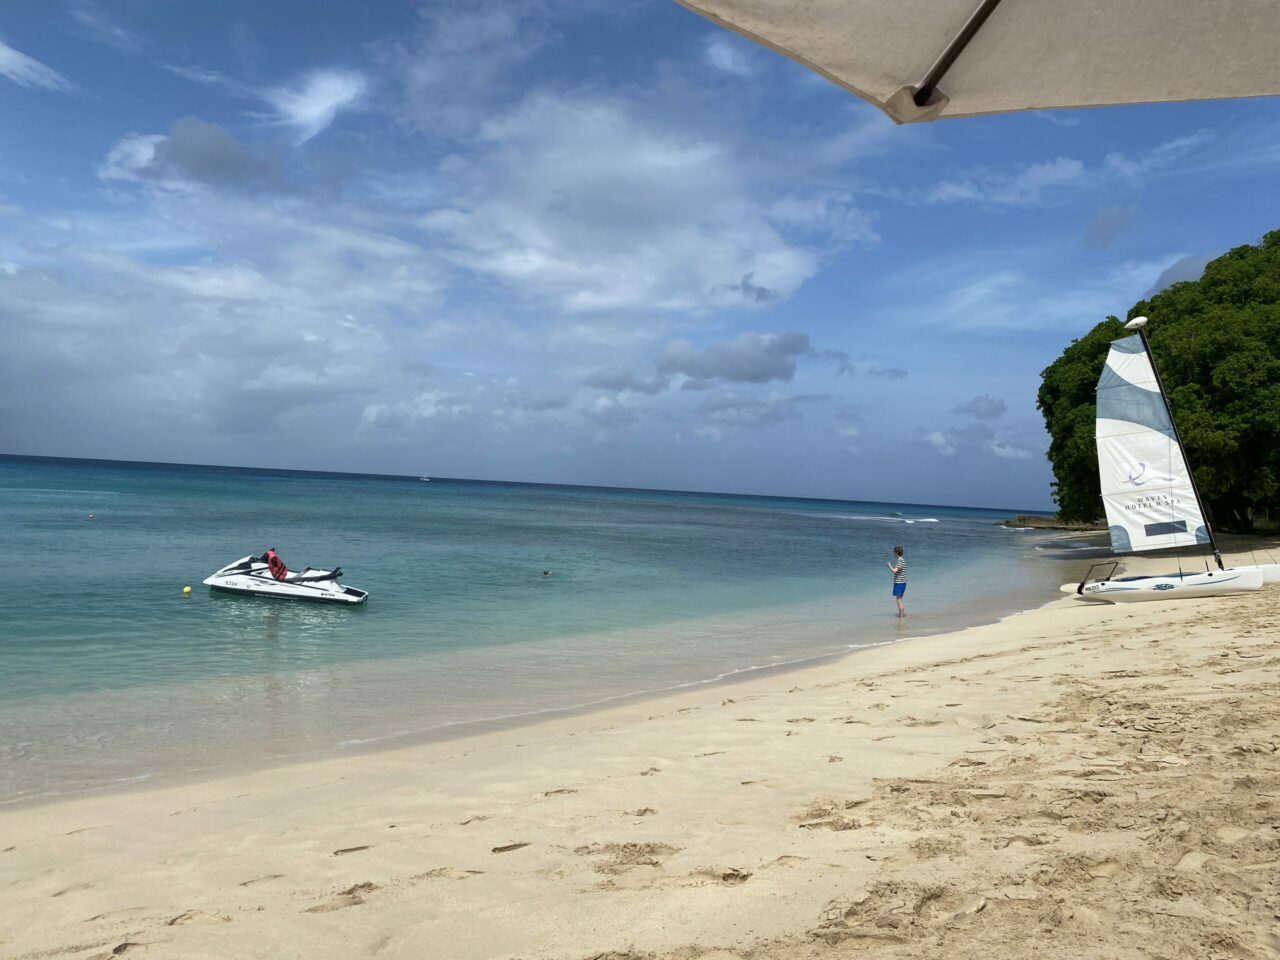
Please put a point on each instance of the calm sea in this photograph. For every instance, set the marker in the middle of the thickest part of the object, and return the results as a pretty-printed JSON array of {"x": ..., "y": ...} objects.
[{"x": 110, "y": 675}]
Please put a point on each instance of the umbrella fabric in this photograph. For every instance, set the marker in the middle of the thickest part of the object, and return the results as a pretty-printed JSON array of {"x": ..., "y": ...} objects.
[{"x": 1025, "y": 54}]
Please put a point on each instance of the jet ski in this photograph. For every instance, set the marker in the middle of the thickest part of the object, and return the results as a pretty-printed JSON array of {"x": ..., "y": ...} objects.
[{"x": 267, "y": 576}]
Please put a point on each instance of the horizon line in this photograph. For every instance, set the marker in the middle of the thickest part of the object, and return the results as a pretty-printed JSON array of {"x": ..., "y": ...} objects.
[{"x": 522, "y": 483}]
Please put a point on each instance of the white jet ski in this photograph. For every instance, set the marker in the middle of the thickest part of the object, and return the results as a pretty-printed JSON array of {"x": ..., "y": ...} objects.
[
  {"x": 1169, "y": 586},
  {"x": 267, "y": 576}
]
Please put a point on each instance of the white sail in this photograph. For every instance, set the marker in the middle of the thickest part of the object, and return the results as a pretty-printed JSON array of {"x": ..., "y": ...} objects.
[{"x": 1146, "y": 486}]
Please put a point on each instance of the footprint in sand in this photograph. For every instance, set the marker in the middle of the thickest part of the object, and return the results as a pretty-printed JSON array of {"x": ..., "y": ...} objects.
[
  {"x": 931, "y": 848},
  {"x": 269, "y": 876},
  {"x": 112, "y": 913},
  {"x": 642, "y": 812},
  {"x": 732, "y": 877},
  {"x": 830, "y": 815},
  {"x": 621, "y": 857},
  {"x": 786, "y": 860},
  {"x": 353, "y": 896},
  {"x": 345, "y": 850},
  {"x": 197, "y": 916},
  {"x": 507, "y": 848},
  {"x": 446, "y": 873},
  {"x": 71, "y": 889}
]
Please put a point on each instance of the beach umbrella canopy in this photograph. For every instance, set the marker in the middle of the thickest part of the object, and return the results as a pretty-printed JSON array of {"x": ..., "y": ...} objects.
[{"x": 926, "y": 59}]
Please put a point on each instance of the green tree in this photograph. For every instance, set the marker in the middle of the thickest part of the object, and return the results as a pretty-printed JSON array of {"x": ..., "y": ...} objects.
[{"x": 1217, "y": 344}]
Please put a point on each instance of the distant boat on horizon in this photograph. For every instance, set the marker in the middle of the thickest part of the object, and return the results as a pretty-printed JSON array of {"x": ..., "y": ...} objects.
[{"x": 425, "y": 479}]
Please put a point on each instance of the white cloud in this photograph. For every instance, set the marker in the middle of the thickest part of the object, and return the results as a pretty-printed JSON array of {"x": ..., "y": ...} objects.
[
  {"x": 725, "y": 52},
  {"x": 465, "y": 57},
  {"x": 984, "y": 407},
  {"x": 28, "y": 72},
  {"x": 214, "y": 315},
  {"x": 1037, "y": 183},
  {"x": 748, "y": 358},
  {"x": 131, "y": 158},
  {"x": 93, "y": 21},
  {"x": 964, "y": 293},
  {"x": 1026, "y": 187},
  {"x": 609, "y": 412},
  {"x": 942, "y": 443},
  {"x": 313, "y": 103},
  {"x": 830, "y": 214},
  {"x": 621, "y": 380},
  {"x": 428, "y": 410},
  {"x": 1158, "y": 158},
  {"x": 732, "y": 410},
  {"x": 974, "y": 439},
  {"x": 1008, "y": 451},
  {"x": 586, "y": 202}
]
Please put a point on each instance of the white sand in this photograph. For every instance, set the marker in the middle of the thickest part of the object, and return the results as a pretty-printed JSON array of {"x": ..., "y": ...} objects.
[{"x": 1079, "y": 781}]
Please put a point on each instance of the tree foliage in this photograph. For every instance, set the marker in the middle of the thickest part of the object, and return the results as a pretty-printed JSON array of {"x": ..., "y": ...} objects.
[{"x": 1216, "y": 342}]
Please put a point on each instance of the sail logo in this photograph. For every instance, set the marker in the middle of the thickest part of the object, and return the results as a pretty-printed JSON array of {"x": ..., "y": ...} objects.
[
  {"x": 1138, "y": 476},
  {"x": 1151, "y": 500}
]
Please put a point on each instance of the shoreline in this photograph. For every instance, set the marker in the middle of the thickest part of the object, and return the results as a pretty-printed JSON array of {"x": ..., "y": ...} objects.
[
  {"x": 1077, "y": 775},
  {"x": 462, "y": 730}
]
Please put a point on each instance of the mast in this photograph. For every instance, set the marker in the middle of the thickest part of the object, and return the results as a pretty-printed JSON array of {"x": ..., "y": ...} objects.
[{"x": 1139, "y": 324}]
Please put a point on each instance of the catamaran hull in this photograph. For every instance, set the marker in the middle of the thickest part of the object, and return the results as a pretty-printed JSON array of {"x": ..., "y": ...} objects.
[
  {"x": 1173, "y": 586},
  {"x": 250, "y": 577},
  {"x": 1270, "y": 572}
]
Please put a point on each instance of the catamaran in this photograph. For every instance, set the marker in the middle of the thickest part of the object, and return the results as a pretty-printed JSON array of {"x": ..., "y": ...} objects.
[{"x": 1150, "y": 495}]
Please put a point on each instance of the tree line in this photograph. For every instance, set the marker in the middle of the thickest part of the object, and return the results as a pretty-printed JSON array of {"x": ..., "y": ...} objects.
[{"x": 1216, "y": 342}]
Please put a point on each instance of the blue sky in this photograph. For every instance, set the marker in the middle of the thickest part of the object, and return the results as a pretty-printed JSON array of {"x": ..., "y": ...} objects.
[{"x": 578, "y": 242}]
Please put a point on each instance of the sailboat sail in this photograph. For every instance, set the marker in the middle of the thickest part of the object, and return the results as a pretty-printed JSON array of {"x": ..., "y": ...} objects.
[{"x": 1146, "y": 486}]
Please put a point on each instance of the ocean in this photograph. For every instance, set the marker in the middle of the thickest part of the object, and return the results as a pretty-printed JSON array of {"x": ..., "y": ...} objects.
[{"x": 112, "y": 676}]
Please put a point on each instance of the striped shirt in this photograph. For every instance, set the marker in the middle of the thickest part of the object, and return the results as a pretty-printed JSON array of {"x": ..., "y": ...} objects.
[{"x": 900, "y": 570}]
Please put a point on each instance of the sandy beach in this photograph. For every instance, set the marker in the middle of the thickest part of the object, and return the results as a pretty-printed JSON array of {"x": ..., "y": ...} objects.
[{"x": 1077, "y": 781}]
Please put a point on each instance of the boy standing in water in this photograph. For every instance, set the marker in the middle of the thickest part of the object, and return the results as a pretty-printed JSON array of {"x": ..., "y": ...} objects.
[{"x": 899, "y": 568}]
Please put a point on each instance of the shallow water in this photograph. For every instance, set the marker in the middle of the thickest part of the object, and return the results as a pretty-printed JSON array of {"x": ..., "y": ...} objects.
[{"x": 112, "y": 675}]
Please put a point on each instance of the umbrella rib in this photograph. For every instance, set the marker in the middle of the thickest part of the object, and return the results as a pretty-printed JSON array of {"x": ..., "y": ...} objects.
[{"x": 953, "y": 50}]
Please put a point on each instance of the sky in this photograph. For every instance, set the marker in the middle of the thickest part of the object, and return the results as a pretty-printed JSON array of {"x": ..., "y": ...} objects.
[{"x": 590, "y": 241}]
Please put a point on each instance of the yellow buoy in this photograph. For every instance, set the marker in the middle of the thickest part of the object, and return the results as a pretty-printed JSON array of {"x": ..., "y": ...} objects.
[{"x": 187, "y": 591}]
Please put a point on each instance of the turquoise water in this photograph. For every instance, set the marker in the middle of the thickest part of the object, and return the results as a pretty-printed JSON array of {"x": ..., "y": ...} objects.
[{"x": 112, "y": 675}]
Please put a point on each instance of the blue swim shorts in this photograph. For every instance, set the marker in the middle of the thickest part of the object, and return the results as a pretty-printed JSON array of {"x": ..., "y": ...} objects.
[{"x": 899, "y": 589}]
